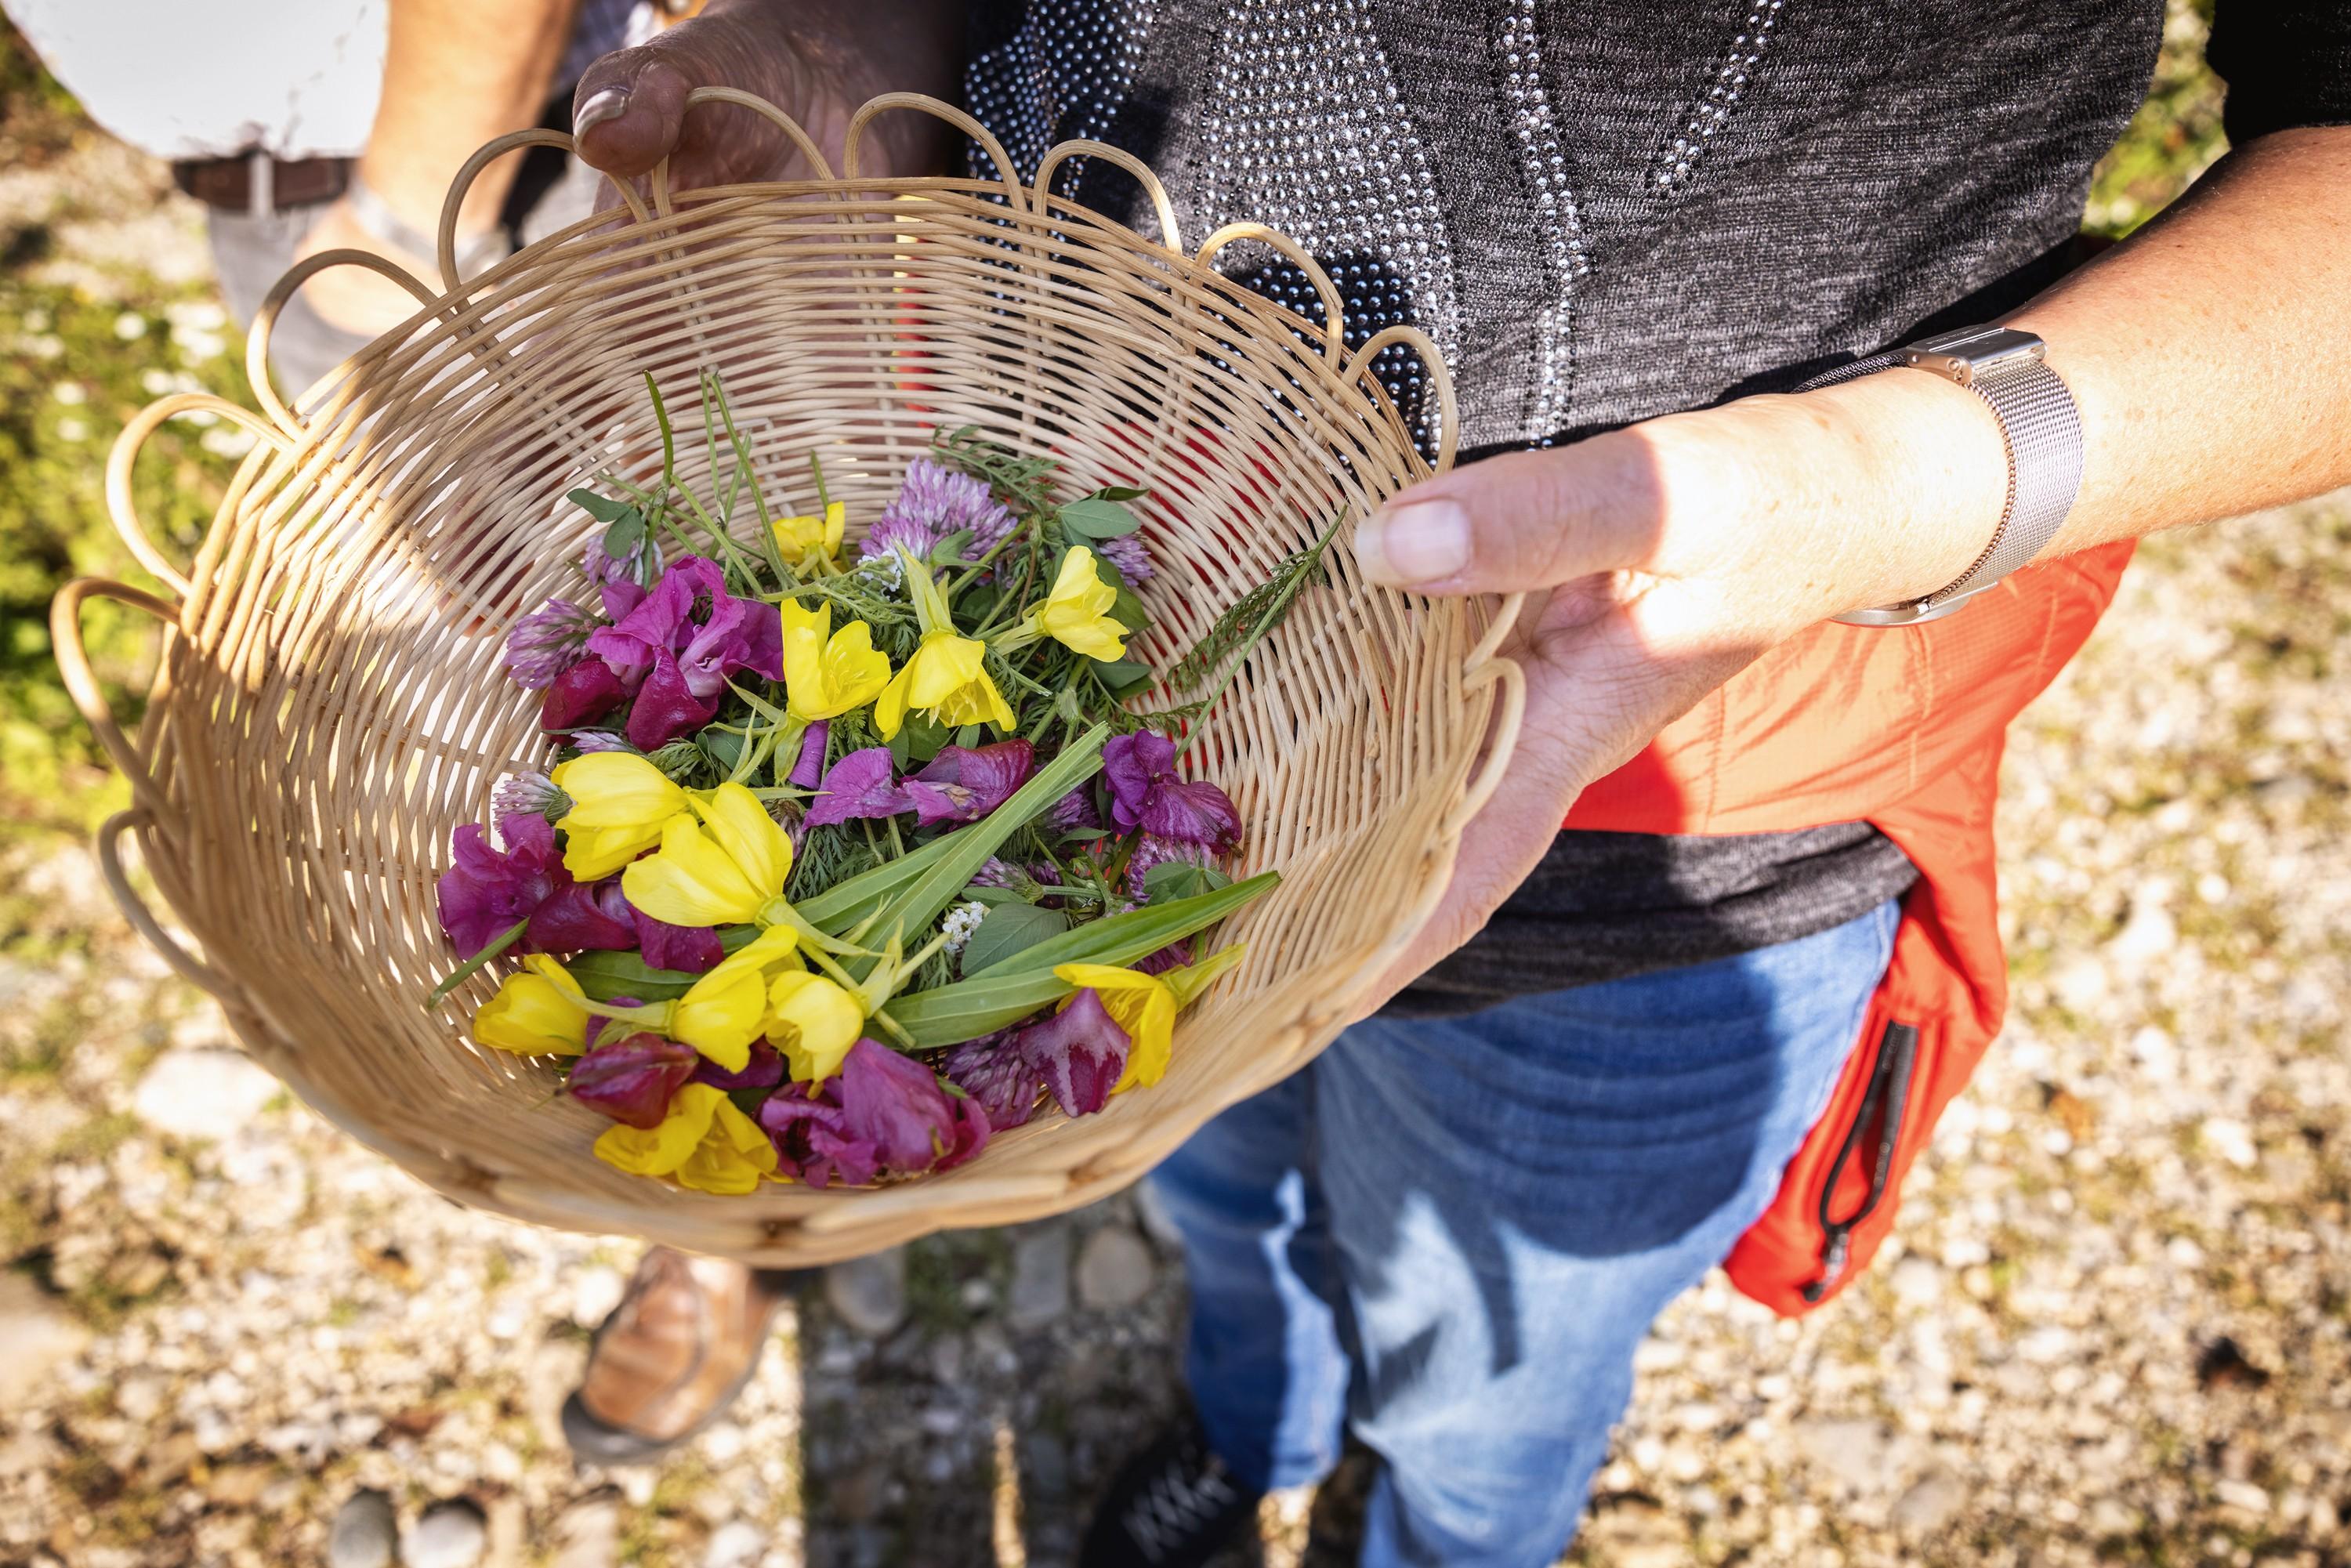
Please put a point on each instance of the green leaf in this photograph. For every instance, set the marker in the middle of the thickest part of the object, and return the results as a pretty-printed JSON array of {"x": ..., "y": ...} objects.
[
  {"x": 604, "y": 976},
  {"x": 841, "y": 907},
  {"x": 949, "y": 551},
  {"x": 1119, "y": 492},
  {"x": 1120, "y": 676},
  {"x": 603, "y": 508},
  {"x": 1181, "y": 879},
  {"x": 626, "y": 533},
  {"x": 723, "y": 746},
  {"x": 925, "y": 738},
  {"x": 1008, "y": 929},
  {"x": 1018, "y": 986},
  {"x": 458, "y": 977},
  {"x": 1128, "y": 610},
  {"x": 1093, "y": 517},
  {"x": 991, "y": 897},
  {"x": 969, "y": 735}
]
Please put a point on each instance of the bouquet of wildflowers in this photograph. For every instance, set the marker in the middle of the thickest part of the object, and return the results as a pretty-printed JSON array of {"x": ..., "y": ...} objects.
[{"x": 851, "y": 856}]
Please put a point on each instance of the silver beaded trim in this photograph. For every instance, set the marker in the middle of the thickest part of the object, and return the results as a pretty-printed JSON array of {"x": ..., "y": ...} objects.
[
  {"x": 1682, "y": 151},
  {"x": 1519, "y": 53},
  {"x": 1304, "y": 130}
]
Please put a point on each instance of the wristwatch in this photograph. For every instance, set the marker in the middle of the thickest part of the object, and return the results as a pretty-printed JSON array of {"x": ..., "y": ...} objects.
[{"x": 2040, "y": 427}]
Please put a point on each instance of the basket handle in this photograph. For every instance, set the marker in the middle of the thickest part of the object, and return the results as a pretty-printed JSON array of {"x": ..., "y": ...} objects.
[
  {"x": 1432, "y": 364},
  {"x": 1504, "y": 739},
  {"x": 81, "y": 681},
  {"x": 792, "y": 128},
  {"x": 1334, "y": 311},
  {"x": 134, "y": 908},
  {"x": 444, "y": 243},
  {"x": 1014, "y": 193},
  {"x": 120, "y": 505},
  {"x": 1082, "y": 148},
  {"x": 257, "y": 341}
]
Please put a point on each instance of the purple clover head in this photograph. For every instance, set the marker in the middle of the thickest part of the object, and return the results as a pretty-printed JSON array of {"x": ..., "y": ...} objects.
[
  {"x": 1174, "y": 956},
  {"x": 620, "y": 581},
  {"x": 992, "y": 1070},
  {"x": 861, "y": 784},
  {"x": 1079, "y": 1052},
  {"x": 963, "y": 784},
  {"x": 1073, "y": 811},
  {"x": 581, "y": 694},
  {"x": 586, "y": 740},
  {"x": 892, "y": 534},
  {"x": 934, "y": 501},
  {"x": 527, "y": 794},
  {"x": 1125, "y": 551},
  {"x": 1152, "y": 851},
  {"x": 631, "y": 1080},
  {"x": 547, "y": 641}
]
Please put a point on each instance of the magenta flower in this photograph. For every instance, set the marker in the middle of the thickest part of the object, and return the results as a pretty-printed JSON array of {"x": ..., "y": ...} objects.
[
  {"x": 764, "y": 1071},
  {"x": 1174, "y": 955},
  {"x": 882, "y": 1114},
  {"x": 861, "y": 784},
  {"x": 810, "y": 764},
  {"x": 666, "y": 706},
  {"x": 934, "y": 501},
  {"x": 631, "y": 1080},
  {"x": 711, "y": 633},
  {"x": 547, "y": 641},
  {"x": 1079, "y": 1053},
  {"x": 691, "y": 949},
  {"x": 963, "y": 784},
  {"x": 1125, "y": 552},
  {"x": 579, "y": 917},
  {"x": 486, "y": 890},
  {"x": 992, "y": 1070},
  {"x": 581, "y": 694},
  {"x": 1145, "y": 793},
  {"x": 618, "y": 579}
]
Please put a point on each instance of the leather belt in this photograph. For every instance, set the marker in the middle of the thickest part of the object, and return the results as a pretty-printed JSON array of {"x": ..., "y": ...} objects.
[{"x": 258, "y": 183}]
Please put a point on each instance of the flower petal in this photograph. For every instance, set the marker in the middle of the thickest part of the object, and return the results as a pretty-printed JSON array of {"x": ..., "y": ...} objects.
[
  {"x": 1080, "y": 1052},
  {"x": 582, "y": 693},
  {"x": 813, "y": 1022},
  {"x": 861, "y": 784},
  {"x": 1192, "y": 812},
  {"x": 667, "y": 707},
  {"x": 809, "y": 767},
  {"x": 764, "y": 1071},
  {"x": 631, "y": 1080},
  {"x": 690, "y": 880},
  {"x": 759, "y": 848},
  {"x": 661, "y": 1150}
]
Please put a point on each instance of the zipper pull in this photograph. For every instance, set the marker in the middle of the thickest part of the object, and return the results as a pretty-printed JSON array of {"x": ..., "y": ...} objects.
[{"x": 1833, "y": 1261}]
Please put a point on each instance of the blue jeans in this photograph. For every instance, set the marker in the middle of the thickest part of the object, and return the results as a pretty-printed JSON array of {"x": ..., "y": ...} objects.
[{"x": 1452, "y": 1234}]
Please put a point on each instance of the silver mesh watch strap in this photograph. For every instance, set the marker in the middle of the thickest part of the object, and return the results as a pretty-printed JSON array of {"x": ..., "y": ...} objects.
[{"x": 2040, "y": 427}]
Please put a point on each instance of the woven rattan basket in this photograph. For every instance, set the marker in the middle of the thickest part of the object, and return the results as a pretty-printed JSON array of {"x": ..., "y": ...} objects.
[{"x": 330, "y": 702}]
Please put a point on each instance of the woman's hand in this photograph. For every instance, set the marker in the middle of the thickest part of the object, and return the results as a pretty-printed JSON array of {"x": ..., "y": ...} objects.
[
  {"x": 815, "y": 59},
  {"x": 1661, "y": 559}
]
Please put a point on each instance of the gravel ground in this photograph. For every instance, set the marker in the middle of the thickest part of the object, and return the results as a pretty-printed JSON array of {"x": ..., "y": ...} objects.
[{"x": 2112, "y": 1326}]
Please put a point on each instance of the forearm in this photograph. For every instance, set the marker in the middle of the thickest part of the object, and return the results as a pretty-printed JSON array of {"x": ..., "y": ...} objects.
[{"x": 456, "y": 74}]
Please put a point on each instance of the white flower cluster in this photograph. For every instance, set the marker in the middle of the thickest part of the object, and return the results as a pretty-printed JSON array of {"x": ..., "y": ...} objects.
[
  {"x": 883, "y": 573},
  {"x": 961, "y": 922}
]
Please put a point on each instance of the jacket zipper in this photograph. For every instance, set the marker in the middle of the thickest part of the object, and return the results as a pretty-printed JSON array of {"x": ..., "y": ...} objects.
[{"x": 1880, "y": 1117}]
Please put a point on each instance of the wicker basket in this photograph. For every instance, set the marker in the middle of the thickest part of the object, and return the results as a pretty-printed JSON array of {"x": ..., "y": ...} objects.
[{"x": 330, "y": 702}]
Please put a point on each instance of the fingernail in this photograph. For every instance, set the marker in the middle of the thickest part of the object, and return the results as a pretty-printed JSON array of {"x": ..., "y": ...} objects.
[
  {"x": 1426, "y": 541},
  {"x": 611, "y": 103}
]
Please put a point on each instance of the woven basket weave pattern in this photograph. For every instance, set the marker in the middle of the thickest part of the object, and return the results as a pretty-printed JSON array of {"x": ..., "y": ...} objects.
[{"x": 331, "y": 702}]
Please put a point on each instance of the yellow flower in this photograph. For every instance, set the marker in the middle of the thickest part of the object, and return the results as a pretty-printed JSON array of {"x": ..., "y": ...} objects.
[
  {"x": 813, "y": 1022},
  {"x": 619, "y": 802},
  {"x": 1145, "y": 1005},
  {"x": 536, "y": 1012},
  {"x": 704, "y": 1143},
  {"x": 947, "y": 678},
  {"x": 726, "y": 1009},
  {"x": 800, "y": 538},
  {"x": 827, "y": 673},
  {"x": 1076, "y": 614},
  {"x": 720, "y": 870}
]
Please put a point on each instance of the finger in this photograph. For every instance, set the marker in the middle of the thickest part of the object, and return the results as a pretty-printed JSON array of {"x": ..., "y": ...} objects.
[
  {"x": 629, "y": 111},
  {"x": 1530, "y": 520}
]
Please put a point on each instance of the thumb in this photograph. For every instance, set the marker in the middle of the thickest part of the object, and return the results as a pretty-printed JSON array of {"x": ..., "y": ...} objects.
[
  {"x": 629, "y": 111},
  {"x": 1526, "y": 520}
]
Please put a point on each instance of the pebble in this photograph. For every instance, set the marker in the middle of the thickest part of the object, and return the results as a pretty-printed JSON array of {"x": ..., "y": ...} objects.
[
  {"x": 450, "y": 1534},
  {"x": 735, "y": 1544},
  {"x": 1115, "y": 1269},
  {"x": 2242, "y": 1495},
  {"x": 365, "y": 1533},
  {"x": 588, "y": 1533},
  {"x": 36, "y": 1338},
  {"x": 869, "y": 1293},
  {"x": 1916, "y": 1283},
  {"x": 1933, "y": 1501},
  {"x": 204, "y": 1093},
  {"x": 1862, "y": 1455},
  {"x": 1040, "y": 1275}
]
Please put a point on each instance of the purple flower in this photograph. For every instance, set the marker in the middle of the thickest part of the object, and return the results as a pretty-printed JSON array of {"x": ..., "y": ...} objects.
[
  {"x": 1152, "y": 851},
  {"x": 666, "y": 706},
  {"x": 581, "y": 694},
  {"x": 1145, "y": 793},
  {"x": 810, "y": 765},
  {"x": 992, "y": 1070},
  {"x": 547, "y": 641},
  {"x": 1175, "y": 953},
  {"x": 1079, "y": 1052},
  {"x": 764, "y": 1071},
  {"x": 586, "y": 740},
  {"x": 690, "y": 615},
  {"x": 1073, "y": 811},
  {"x": 963, "y": 784},
  {"x": 934, "y": 501},
  {"x": 523, "y": 794},
  {"x": 882, "y": 1114},
  {"x": 579, "y": 917},
  {"x": 994, "y": 872},
  {"x": 1125, "y": 552},
  {"x": 631, "y": 1080},
  {"x": 690, "y": 949},
  {"x": 619, "y": 580},
  {"x": 484, "y": 891},
  {"x": 860, "y": 785}
]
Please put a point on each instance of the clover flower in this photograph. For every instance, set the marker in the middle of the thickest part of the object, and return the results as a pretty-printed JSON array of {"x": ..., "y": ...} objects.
[
  {"x": 933, "y": 502},
  {"x": 1126, "y": 552},
  {"x": 548, "y": 642},
  {"x": 993, "y": 1071}
]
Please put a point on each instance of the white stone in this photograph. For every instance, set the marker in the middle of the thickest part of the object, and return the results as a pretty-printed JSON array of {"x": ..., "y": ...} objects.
[
  {"x": 1115, "y": 1269},
  {"x": 2242, "y": 1495},
  {"x": 1932, "y": 1501},
  {"x": 202, "y": 1093},
  {"x": 736, "y": 1544},
  {"x": 365, "y": 1534},
  {"x": 595, "y": 1291},
  {"x": 37, "y": 1339},
  {"x": 1040, "y": 1276},
  {"x": 2231, "y": 1140},
  {"x": 869, "y": 1293},
  {"x": 1915, "y": 1281},
  {"x": 451, "y": 1533}
]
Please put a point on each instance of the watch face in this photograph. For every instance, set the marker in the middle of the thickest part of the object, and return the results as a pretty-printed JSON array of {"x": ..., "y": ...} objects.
[{"x": 1981, "y": 346}]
